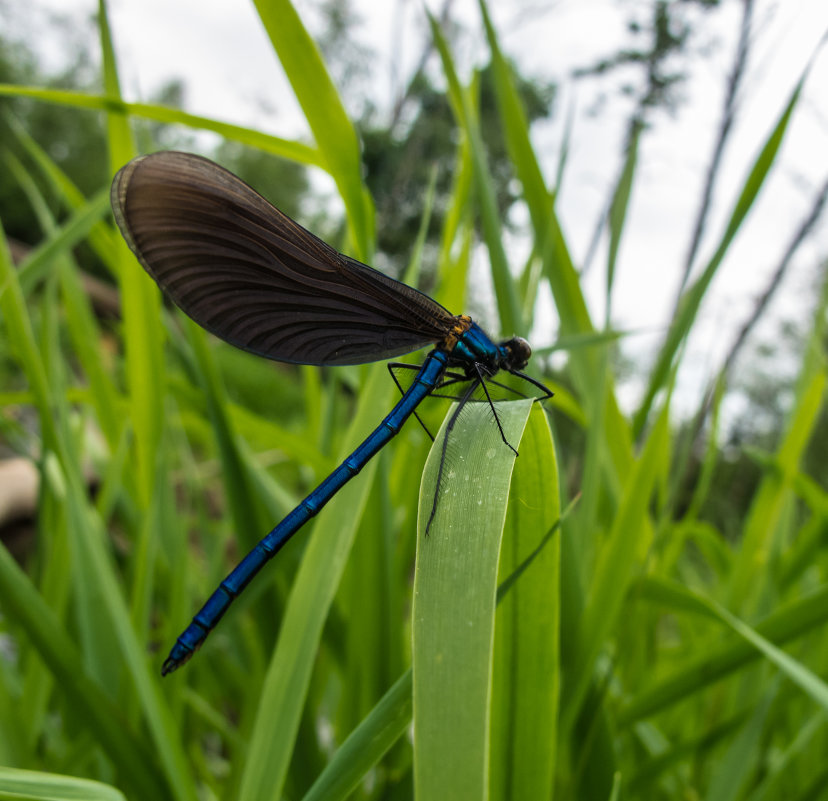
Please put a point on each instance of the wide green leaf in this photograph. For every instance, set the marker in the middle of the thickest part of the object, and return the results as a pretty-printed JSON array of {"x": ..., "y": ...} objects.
[
  {"x": 455, "y": 585},
  {"x": 527, "y": 627}
]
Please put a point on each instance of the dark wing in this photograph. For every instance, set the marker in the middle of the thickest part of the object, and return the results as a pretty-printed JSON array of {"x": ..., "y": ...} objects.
[{"x": 249, "y": 274}]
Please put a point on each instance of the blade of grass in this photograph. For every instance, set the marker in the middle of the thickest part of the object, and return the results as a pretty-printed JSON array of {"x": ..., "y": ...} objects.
[
  {"x": 596, "y": 479},
  {"x": 415, "y": 260},
  {"x": 618, "y": 214},
  {"x": 455, "y": 585},
  {"x": 82, "y": 325},
  {"x": 366, "y": 745},
  {"x": 588, "y": 371},
  {"x": 284, "y": 148},
  {"x": 775, "y": 490},
  {"x": 288, "y": 676},
  {"x": 22, "y": 784},
  {"x": 527, "y": 628},
  {"x": 558, "y": 265},
  {"x": 508, "y": 302},
  {"x": 679, "y": 597},
  {"x": 332, "y": 130},
  {"x": 35, "y": 266},
  {"x": 627, "y": 545},
  {"x": 391, "y": 716},
  {"x": 101, "y": 237},
  {"x": 101, "y": 716},
  {"x": 363, "y": 601},
  {"x": 761, "y": 530},
  {"x": 786, "y": 624},
  {"x": 693, "y": 296},
  {"x": 516, "y": 131},
  {"x": 453, "y": 273},
  {"x": 734, "y": 770},
  {"x": 146, "y": 381},
  {"x": 140, "y": 301}
]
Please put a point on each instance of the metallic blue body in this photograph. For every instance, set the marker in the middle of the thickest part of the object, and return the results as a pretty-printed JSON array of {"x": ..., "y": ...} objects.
[{"x": 473, "y": 349}]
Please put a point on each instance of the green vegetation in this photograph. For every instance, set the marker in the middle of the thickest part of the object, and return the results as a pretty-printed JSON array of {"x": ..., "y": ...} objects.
[{"x": 607, "y": 632}]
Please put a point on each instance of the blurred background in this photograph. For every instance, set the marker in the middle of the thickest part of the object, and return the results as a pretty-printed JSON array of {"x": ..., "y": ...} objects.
[
  {"x": 651, "y": 218},
  {"x": 699, "y": 76}
]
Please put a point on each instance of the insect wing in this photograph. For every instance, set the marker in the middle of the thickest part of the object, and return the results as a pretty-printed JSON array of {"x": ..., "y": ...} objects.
[{"x": 252, "y": 276}]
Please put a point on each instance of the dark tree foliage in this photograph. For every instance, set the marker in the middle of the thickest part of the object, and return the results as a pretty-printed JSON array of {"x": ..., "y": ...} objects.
[{"x": 398, "y": 163}]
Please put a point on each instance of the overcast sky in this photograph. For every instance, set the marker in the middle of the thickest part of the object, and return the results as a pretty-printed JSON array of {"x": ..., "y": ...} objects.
[{"x": 222, "y": 53}]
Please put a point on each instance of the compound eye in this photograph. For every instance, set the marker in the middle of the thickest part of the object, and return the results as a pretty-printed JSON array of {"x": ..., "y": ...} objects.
[{"x": 521, "y": 352}]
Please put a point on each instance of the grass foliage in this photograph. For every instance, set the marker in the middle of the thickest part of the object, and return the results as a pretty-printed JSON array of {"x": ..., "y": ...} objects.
[{"x": 633, "y": 650}]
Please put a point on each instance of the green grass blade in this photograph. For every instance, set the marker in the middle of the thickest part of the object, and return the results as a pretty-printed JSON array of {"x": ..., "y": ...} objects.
[
  {"x": 773, "y": 495},
  {"x": 455, "y": 586},
  {"x": 284, "y": 148},
  {"x": 453, "y": 272},
  {"x": 143, "y": 338},
  {"x": 364, "y": 603},
  {"x": 141, "y": 305},
  {"x": 789, "y": 622},
  {"x": 24, "y": 347},
  {"x": 82, "y": 325},
  {"x": 23, "y": 784},
  {"x": 101, "y": 236},
  {"x": 800, "y": 675},
  {"x": 238, "y": 485},
  {"x": 391, "y": 716},
  {"x": 618, "y": 214},
  {"x": 735, "y": 769},
  {"x": 411, "y": 275},
  {"x": 516, "y": 132},
  {"x": 588, "y": 371},
  {"x": 509, "y": 307},
  {"x": 86, "y": 338},
  {"x": 626, "y": 548},
  {"x": 680, "y": 598},
  {"x": 36, "y": 265},
  {"x": 101, "y": 716},
  {"x": 595, "y": 478},
  {"x": 288, "y": 677},
  {"x": 527, "y": 628},
  {"x": 558, "y": 266},
  {"x": 121, "y": 142},
  {"x": 692, "y": 298},
  {"x": 364, "y": 747},
  {"x": 332, "y": 130}
]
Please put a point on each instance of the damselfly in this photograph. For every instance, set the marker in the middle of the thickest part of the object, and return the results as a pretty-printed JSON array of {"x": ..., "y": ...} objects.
[{"x": 255, "y": 278}]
